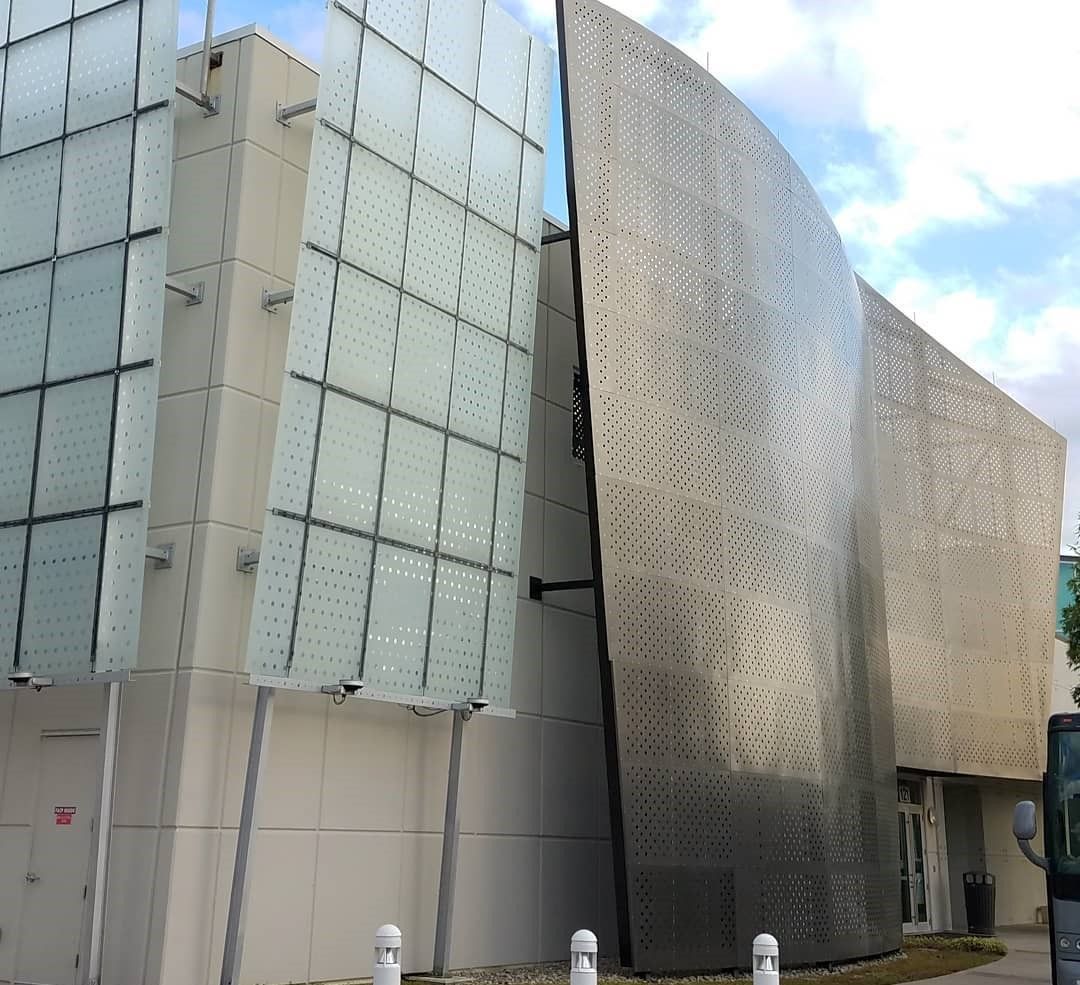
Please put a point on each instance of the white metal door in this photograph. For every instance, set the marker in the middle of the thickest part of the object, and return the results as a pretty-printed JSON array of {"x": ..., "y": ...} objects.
[{"x": 54, "y": 899}]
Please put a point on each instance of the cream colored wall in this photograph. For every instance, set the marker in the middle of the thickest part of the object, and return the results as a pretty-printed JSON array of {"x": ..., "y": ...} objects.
[{"x": 1021, "y": 886}]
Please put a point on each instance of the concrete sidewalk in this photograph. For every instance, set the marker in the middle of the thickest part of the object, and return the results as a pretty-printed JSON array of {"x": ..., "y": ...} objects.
[{"x": 1028, "y": 960}]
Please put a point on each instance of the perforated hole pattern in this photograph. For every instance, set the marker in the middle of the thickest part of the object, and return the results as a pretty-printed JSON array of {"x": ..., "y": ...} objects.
[
  {"x": 727, "y": 408},
  {"x": 84, "y": 164},
  {"x": 404, "y": 419}
]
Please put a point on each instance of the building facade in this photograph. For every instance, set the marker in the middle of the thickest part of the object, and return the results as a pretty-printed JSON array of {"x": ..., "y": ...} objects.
[{"x": 742, "y": 569}]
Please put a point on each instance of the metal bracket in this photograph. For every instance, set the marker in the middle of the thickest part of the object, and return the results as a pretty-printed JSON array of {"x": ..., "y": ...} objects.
[
  {"x": 210, "y": 105},
  {"x": 162, "y": 555},
  {"x": 193, "y": 293},
  {"x": 560, "y": 237},
  {"x": 247, "y": 560},
  {"x": 271, "y": 299},
  {"x": 283, "y": 114},
  {"x": 537, "y": 586}
]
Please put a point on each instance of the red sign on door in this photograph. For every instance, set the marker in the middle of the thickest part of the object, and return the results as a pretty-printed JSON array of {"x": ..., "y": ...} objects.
[{"x": 64, "y": 814}]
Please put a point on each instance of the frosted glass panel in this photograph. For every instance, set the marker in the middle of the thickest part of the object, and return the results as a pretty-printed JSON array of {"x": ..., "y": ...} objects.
[
  {"x": 74, "y": 456},
  {"x": 12, "y": 555},
  {"x": 453, "y": 42},
  {"x": 350, "y": 463},
  {"x": 398, "y": 624},
  {"x": 386, "y": 105},
  {"x": 411, "y": 282},
  {"x": 94, "y": 195},
  {"x": 476, "y": 395},
  {"x": 363, "y": 333},
  {"x": 425, "y": 359},
  {"x": 496, "y": 171},
  {"x": 333, "y": 604},
  {"x": 538, "y": 108},
  {"x": 80, "y": 307},
  {"x": 24, "y": 313},
  {"x": 413, "y": 484},
  {"x": 487, "y": 276},
  {"x": 499, "y": 645},
  {"x": 457, "y": 630},
  {"x": 504, "y": 67},
  {"x": 61, "y": 585},
  {"x": 468, "y": 502},
  {"x": 85, "y": 329},
  {"x": 18, "y": 430},
  {"x": 35, "y": 91},
  {"x": 29, "y": 192},
  {"x": 103, "y": 53}
]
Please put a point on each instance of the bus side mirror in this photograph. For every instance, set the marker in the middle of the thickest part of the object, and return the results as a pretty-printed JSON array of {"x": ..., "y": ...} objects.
[
  {"x": 1025, "y": 826},
  {"x": 1024, "y": 829}
]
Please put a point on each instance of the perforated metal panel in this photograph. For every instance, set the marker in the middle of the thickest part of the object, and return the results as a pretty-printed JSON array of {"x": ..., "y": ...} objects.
[
  {"x": 971, "y": 486},
  {"x": 85, "y": 159},
  {"x": 394, "y": 513},
  {"x": 728, "y": 428}
]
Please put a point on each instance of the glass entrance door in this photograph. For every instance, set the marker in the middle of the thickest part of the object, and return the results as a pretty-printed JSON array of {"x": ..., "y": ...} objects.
[{"x": 914, "y": 905}]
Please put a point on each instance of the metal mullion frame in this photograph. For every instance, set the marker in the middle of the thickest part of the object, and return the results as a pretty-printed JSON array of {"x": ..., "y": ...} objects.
[
  {"x": 37, "y": 521},
  {"x": 322, "y": 384},
  {"x": 119, "y": 346},
  {"x": 607, "y": 683},
  {"x": 16, "y": 663},
  {"x": 376, "y": 539},
  {"x": 453, "y": 365},
  {"x": 132, "y": 238},
  {"x": 395, "y": 412},
  {"x": 506, "y": 365},
  {"x": 81, "y": 130},
  {"x": 93, "y": 375}
]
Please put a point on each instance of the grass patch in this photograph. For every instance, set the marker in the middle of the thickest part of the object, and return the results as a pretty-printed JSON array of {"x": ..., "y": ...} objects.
[{"x": 957, "y": 942}]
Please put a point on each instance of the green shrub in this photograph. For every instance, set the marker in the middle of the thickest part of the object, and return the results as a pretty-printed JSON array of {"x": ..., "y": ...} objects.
[{"x": 978, "y": 945}]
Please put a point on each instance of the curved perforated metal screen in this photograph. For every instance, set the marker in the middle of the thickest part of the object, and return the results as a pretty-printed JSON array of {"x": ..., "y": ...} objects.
[
  {"x": 971, "y": 488},
  {"x": 85, "y": 160},
  {"x": 731, "y": 428},
  {"x": 394, "y": 514}
]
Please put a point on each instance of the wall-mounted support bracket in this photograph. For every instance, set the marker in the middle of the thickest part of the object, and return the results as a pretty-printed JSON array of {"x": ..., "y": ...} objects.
[
  {"x": 284, "y": 114},
  {"x": 161, "y": 555},
  {"x": 271, "y": 299},
  {"x": 192, "y": 293},
  {"x": 210, "y": 105},
  {"x": 247, "y": 560},
  {"x": 538, "y": 587},
  {"x": 560, "y": 237}
]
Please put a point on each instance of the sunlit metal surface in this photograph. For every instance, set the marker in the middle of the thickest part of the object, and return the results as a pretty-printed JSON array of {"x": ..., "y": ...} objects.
[
  {"x": 971, "y": 488},
  {"x": 732, "y": 448}
]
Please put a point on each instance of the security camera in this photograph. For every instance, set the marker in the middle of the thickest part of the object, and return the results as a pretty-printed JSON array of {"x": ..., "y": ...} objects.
[
  {"x": 478, "y": 704},
  {"x": 351, "y": 687},
  {"x": 466, "y": 708}
]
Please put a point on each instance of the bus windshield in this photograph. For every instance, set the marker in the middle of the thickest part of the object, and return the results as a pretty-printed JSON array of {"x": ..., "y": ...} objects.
[{"x": 1063, "y": 802}]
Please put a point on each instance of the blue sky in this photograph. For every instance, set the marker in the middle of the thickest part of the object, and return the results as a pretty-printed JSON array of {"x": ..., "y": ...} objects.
[{"x": 944, "y": 138}]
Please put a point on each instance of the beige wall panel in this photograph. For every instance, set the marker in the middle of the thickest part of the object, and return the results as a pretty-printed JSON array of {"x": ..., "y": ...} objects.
[{"x": 970, "y": 486}]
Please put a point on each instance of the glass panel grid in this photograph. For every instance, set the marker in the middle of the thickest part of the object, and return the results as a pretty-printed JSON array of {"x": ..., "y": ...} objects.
[
  {"x": 84, "y": 189},
  {"x": 419, "y": 254}
]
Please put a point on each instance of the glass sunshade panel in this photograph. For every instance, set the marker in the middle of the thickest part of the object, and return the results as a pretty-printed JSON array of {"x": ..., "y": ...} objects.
[
  {"x": 394, "y": 514},
  {"x": 85, "y": 159}
]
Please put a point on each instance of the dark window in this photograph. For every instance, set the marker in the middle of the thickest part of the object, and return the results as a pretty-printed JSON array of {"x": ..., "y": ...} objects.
[{"x": 578, "y": 441}]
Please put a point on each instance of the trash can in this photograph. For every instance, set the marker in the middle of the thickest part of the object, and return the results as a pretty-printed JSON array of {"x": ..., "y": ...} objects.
[{"x": 979, "y": 890}]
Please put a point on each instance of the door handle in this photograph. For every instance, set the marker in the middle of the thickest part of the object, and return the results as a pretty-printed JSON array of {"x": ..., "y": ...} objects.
[{"x": 32, "y": 877}]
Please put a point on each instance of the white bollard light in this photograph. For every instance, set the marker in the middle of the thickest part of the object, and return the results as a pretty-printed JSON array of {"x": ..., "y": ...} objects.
[
  {"x": 387, "y": 956},
  {"x": 766, "y": 960},
  {"x": 583, "y": 958}
]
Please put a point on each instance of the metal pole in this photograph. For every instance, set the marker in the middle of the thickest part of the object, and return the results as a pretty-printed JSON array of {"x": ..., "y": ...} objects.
[
  {"x": 204, "y": 73},
  {"x": 241, "y": 881},
  {"x": 104, "y": 835},
  {"x": 444, "y": 915}
]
